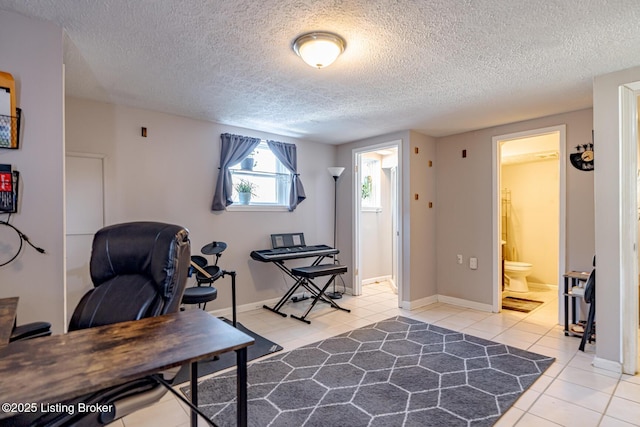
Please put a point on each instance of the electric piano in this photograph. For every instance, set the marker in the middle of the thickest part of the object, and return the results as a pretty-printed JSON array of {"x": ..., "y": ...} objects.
[
  {"x": 283, "y": 254},
  {"x": 289, "y": 246}
]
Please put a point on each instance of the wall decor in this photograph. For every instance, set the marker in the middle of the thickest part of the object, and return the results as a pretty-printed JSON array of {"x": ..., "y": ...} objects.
[
  {"x": 9, "y": 113},
  {"x": 582, "y": 159}
]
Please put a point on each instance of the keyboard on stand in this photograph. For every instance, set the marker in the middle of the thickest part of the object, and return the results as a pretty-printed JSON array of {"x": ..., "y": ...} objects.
[
  {"x": 291, "y": 246},
  {"x": 283, "y": 254}
]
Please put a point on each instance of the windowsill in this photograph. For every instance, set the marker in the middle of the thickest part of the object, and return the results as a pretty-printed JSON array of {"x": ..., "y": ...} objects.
[
  {"x": 256, "y": 208},
  {"x": 374, "y": 210}
]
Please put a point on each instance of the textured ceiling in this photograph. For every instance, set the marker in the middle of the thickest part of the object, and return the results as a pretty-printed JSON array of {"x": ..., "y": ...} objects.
[{"x": 436, "y": 66}]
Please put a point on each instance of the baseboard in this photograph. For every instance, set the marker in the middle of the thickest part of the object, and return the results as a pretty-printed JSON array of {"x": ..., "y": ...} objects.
[
  {"x": 376, "y": 279},
  {"x": 542, "y": 286},
  {"x": 393, "y": 285},
  {"x": 407, "y": 305},
  {"x": 465, "y": 303},
  {"x": 423, "y": 302},
  {"x": 607, "y": 365},
  {"x": 226, "y": 312}
]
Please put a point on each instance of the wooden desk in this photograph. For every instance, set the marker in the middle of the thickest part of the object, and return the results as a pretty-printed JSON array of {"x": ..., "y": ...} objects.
[
  {"x": 8, "y": 309},
  {"x": 60, "y": 367}
]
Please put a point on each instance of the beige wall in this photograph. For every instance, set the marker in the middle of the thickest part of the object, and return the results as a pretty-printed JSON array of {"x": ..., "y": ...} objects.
[
  {"x": 418, "y": 269},
  {"x": 464, "y": 205},
  {"x": 170, "y": 176},
  {"x": 609, "y": 292},
  {"x": 31, "y": 50},
  {"x": 422, "y": 224},
  {"x": 532, "y": 229}
]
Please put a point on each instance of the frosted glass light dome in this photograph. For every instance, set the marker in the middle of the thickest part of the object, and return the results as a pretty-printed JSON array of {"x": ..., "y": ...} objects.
[{"x": 319, "y": 49}]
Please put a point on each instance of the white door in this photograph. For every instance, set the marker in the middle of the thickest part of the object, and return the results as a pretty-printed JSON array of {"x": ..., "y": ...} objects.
[{"x": 84, "y": 178}]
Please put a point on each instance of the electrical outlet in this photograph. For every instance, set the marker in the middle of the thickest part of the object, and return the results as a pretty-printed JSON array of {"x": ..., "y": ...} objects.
[
  {"x": 473, "y": 263},
  {"x": 459, "y": 258}
]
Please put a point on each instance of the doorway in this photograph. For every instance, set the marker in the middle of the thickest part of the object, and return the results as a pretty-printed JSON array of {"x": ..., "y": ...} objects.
[
  {"x": 376, "y": 207},
  {"x": 520, "y": 160}
]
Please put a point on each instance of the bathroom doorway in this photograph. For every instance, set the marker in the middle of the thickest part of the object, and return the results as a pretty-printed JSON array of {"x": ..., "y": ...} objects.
[
  {"x": 529, "y": 198},
  {"x": 377, "y": 246}
]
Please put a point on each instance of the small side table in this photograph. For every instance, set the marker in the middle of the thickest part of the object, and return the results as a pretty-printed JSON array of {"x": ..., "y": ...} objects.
[{"x": 571, "y": 280}]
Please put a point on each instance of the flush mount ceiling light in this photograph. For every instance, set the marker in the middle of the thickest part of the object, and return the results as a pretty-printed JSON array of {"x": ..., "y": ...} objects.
[{"x": 319, "y": 49}]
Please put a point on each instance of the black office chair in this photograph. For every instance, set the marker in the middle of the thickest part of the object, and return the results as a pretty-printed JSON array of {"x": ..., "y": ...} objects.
[
  {"x": 589, "y": 298},
  {"x": 30, "y": 330},
  {"x": 138, "y": 270}
]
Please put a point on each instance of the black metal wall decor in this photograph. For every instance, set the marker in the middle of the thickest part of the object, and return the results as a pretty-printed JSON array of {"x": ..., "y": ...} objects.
[{"x": 582, "y": 159}]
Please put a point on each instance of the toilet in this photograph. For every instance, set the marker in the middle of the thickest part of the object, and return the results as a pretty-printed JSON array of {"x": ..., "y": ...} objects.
[{"x": 516, "y": 274}]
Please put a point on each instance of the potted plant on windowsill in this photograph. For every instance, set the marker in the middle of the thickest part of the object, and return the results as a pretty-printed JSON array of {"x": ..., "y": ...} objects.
[{"x": 245, "y": 190}]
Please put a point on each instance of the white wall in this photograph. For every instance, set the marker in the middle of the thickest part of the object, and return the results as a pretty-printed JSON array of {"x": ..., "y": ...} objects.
[
  {"x": 31, "y": 50},
  {"x": 170, "y": 176},
  {"x": 464, "y": 205}
]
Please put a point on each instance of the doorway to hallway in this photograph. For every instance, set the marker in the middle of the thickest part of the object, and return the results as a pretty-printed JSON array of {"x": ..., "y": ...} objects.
[{"x": 377, "y": 236}]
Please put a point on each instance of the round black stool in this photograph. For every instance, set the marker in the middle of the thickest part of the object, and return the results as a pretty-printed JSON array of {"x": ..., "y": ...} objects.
[{"x": 199, "y": 295}]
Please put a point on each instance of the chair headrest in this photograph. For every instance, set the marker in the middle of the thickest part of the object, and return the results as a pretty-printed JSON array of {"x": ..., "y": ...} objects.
[{"x": 150, "y": 249}]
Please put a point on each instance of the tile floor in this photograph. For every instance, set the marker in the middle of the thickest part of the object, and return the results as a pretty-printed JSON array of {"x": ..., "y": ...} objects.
[{"x": 570, "y": 393}]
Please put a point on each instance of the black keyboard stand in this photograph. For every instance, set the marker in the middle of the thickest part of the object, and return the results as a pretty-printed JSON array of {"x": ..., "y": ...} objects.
[
  {"x": 299, "y": 281},
  {"x": 278, "y": 256}
]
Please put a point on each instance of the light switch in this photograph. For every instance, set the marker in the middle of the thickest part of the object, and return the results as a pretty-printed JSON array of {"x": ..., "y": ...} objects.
[
  {"x": 473, "y": 263},
  {"x": 459, "y": 257}
]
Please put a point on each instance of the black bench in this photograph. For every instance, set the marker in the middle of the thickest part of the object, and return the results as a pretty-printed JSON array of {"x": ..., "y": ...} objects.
[{"x": 312, "y": 272}]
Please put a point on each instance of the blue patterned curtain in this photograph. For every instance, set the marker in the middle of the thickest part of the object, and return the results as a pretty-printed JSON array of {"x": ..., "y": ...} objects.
[
  {"x": 287, "y": 154},
  {"x": 233, "y": 149}
]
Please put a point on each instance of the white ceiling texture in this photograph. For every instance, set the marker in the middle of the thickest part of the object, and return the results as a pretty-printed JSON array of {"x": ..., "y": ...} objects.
[{"x": 439, "y": 67}]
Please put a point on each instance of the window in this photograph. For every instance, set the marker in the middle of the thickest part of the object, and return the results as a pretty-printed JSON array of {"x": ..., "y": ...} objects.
[
  {"x": 262, "y": 180},
  {"x": 370, "y": 183},
  {"x": 264, "y": 176}
]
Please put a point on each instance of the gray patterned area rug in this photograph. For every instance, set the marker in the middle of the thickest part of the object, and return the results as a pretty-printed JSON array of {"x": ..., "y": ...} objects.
[{"x": 398, "y": 372}]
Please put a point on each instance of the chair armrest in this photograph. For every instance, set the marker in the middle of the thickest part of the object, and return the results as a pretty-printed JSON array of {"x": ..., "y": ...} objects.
[{"x": 30, "y": 330}]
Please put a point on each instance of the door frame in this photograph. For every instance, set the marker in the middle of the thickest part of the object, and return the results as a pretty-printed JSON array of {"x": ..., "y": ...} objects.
[
  {"x": 356, "y": 211},
  {"x": 496, "y": 207},
  {"x": 628, "y": 99}
]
